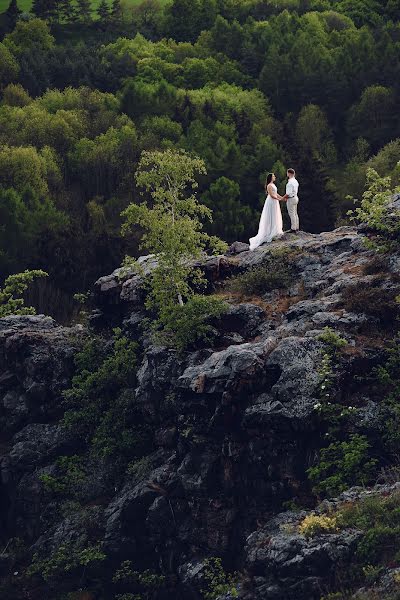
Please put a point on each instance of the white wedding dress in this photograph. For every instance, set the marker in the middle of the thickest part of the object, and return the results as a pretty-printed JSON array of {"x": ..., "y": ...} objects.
[{"x": 271, "y": 224}]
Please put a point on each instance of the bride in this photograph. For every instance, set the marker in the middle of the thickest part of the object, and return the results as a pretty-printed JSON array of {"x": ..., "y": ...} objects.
[{"x": 271, "y": 225}]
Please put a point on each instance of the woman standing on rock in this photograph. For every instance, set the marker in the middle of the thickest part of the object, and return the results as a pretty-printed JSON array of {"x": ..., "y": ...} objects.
[{"x": 271, "y": 224}]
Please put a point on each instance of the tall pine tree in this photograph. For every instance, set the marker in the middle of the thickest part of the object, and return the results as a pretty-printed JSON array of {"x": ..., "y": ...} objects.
[
  {"x": 65, "y": 11},
  {"x": 12, "y": 14},
  {"x": 104, "y": 12},
  {"x": 83, "y": 11},
  {"x": 116, "y": 12},
  {"x": 45, "y": 9}
]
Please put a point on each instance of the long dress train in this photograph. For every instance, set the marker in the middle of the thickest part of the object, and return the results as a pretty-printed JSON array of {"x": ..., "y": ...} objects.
[{"x": 271, "y": 224}]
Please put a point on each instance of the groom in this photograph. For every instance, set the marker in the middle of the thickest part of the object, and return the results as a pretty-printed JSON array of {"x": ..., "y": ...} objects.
[{"x": 292, "y": 188}]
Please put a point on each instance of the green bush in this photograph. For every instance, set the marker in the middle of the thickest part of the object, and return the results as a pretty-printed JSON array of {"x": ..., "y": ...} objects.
[
  {"x": 65, "y": 559},
  {"x": 70, "y": 477},
  {"x": 217, "y": 580},
  {"x": 374, "y": 211},
  {"x": 145, "y": 583},
  {"x": 11, "y": 294},
  {"x": 315, "y": 524},
  {"x": 192, "y": 323},
  {"x": 379, "y": 518},
  {"x": 275, "y": 273},
  {"x": 332, "y": 340},
  {"x": 341, "y": 465},
  {"x": 100, "y": 403}
]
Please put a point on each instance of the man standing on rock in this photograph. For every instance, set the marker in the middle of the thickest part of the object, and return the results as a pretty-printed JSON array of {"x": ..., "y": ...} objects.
[{"x": 292, "y": 188}]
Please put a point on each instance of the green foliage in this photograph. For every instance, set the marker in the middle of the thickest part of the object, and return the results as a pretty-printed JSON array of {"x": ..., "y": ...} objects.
[
  {"x": 374, "y": 210},
  {"x": 275, "y": 273},
  {"x": 230, "y": 217},
  {"x": 100, "y": 404},
  {"x": 389, "y": 378},
  {"x": 185, "y": 326},
  {"x": 70, "y": 476},
  {"x": 65, "y": 558},
  {"x": 333, "y": 344},
  {"x": 376, "y": 110},
  {"x": 379, "y": 519},
  {"x": 342, "y": 464},
  {"x": 147, "y": 583},
  {"x": 11, "y": 294},
  {"x": 332, "y": 340},
  {"x": 9, "y": 67},
  {"x": 218, "y": 582},
  {"x": 29, "y": 36},
  {"x": 172, "y": 231}
]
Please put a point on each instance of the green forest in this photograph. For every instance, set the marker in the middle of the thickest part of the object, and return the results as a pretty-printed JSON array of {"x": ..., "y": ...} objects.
[{"x": 248, "y": 86}]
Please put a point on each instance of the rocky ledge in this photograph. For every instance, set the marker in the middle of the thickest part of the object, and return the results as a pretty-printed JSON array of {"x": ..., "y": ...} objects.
[{"x": 234, "y": 426}]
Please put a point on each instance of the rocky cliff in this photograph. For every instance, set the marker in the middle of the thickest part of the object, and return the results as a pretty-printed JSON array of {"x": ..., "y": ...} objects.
[{"x": 232, "y": 428}]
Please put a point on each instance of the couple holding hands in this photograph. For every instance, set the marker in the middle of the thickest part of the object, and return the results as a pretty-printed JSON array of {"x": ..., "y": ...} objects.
[{"x": 271, "y": 223}]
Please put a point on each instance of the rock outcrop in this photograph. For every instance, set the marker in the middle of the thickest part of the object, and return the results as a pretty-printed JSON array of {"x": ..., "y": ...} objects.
[{"x": 234, "y": 425}]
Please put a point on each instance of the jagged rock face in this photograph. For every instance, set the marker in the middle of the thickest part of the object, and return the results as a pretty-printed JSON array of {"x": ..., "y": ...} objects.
[
  {"x": 234, "y": 424},
  {"x": 36, "y": 364}
]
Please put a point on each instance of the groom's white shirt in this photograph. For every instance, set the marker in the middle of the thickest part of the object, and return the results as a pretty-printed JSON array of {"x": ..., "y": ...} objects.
[{"x": 292, "y": 187}]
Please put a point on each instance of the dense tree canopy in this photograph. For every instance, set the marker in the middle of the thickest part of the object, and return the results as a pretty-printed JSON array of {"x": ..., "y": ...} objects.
[{"x": 249, "y": 86}]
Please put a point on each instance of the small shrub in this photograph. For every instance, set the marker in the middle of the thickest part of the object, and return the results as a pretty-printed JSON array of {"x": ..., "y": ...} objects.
[
  {"x": 11, "y": 294},
  {"x": 218, "y": 582},
  {"x": 379, "y": 264},
  {"x": 315, "y": 524},
  {"x": 379, "y": 518},
  {"x": 147, "y": 582},
  {"x": 341, "y": 465},
  {"x": 275, "y": 273},
  {"x": 372, "y": 573},
  {"x": 70, "y": 478},
  {"x": 191, "y": 323},
  {"x": 373, "y": 301},
  {"x": 332, "y": 340},
  {"x": 374, "y": 211},
  {"x": 65, "y": 559}
]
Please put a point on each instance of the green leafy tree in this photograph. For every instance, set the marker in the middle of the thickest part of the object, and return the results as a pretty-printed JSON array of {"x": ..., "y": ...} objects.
[
  {"x": 29, "y": 37},
  {"x": 9, "y": 67},
  {"x": 314, "y": 135},
  {"x": 374, "y": 116},
  {"x": 11, "y": 294},
  {"x": 15, "y": 95},
  {"x": 172, "y": 227},
  {"x": 231, "y": 218}
]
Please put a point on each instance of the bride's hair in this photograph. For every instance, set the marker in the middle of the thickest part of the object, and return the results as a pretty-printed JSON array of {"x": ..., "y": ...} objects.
[{"x": 268, "y": 180}]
